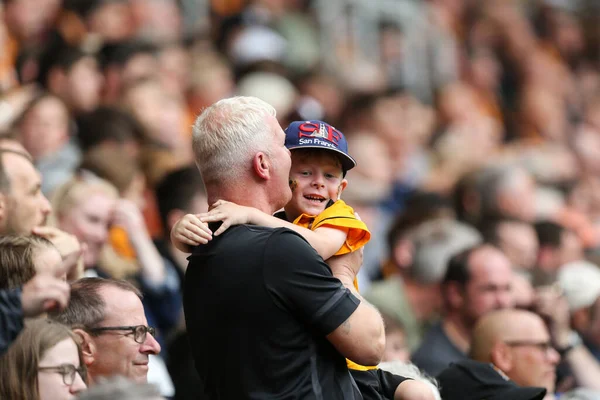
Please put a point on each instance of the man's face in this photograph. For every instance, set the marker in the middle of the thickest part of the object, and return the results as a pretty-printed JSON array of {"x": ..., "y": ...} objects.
[
  {"x": 533, "y": 358},
  {"x": 116, "y": 352},
  {"x": 89, "y": 221},
  {"x": 25, "y": 206},
  {"x": 281, "y": 163},
  {"x": 490, "y": 286},
  {"x": 84, "y": 85},
  {"x": 519, "y": 243}
]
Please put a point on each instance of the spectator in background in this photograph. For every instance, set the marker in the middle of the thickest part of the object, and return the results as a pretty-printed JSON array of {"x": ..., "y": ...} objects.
[
  {"x": 112, "y": 21},
  {"x": 473, "y": 380},
  {"x": 477, "y": 281},
  {"x": 396, "y": 348},
  {"x": 507, "y": 191},
  {"x": 45, "y": 132},
  {"x": 22, "y": 257},
  {"x": 39, "y": 295},
  {"x": 111, "y": 128},
  {"x": 516, "y": 239},
  {"x": 119, "y": 388},
  {"x": 108, "y": 318},
  {"x": 580, "y": 281},
  {"x": 518, "y": 343},
  {"x": 124, "y": 63},
  {"x": 84, "y": 207},
  {"x": 26, "y": 207},
  {"x": 180, "y": 192},
  {"x": 44, "y": 363},
  {"x": 558, "y": 246},
  {"x": 72, "y": 74},
  {"x": 413, "y": 297}
]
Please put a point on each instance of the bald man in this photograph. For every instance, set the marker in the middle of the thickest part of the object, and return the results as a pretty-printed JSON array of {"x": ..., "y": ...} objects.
[{"x": 518, "y": 343}]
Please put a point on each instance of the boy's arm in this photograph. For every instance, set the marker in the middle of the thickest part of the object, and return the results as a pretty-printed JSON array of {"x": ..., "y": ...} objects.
[
  {"x": 188, "y": 232},
  {"x": 326, "y": 241}
]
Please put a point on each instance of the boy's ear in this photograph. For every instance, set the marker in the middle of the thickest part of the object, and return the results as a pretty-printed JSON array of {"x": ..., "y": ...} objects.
[{"x": 341, "y": 188}]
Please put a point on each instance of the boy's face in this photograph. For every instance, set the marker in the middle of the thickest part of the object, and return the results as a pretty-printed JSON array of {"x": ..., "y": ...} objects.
[
  {"x": 395, "y": 347},
  {"x": 315, "y": 178}
]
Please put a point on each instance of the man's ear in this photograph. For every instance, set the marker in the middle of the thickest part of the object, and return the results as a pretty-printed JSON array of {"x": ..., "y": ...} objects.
[
  {"x": 455, "y": 295},
  {"x": 88, "y": 346},
  {"x": 341, "y": 188},
  {"x": 261, "y": 165},
  {"x": 501, "y": 356}
]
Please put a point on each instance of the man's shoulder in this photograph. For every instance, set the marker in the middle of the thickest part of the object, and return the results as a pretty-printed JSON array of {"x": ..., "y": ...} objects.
[{"x": 436, "y": 341}]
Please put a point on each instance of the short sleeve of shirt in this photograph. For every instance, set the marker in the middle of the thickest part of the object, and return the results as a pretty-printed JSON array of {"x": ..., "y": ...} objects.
[
  {"x": 341, "y": 215},
  {"x": 300, "y": 281}
]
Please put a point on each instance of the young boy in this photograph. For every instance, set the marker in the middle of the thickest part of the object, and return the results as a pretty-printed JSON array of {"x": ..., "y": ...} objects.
[{"x": 320, "y": 161}]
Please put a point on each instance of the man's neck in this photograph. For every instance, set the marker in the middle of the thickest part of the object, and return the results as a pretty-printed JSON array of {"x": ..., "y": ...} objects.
[
  {"x": 458, "y": 333},
  {"x": 243, "y": 195}
]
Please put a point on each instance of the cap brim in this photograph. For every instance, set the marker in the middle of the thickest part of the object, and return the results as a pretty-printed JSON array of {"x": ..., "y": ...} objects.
[
  {"x": 347, "y": 162},
  {"x": 522, "y": 393}
]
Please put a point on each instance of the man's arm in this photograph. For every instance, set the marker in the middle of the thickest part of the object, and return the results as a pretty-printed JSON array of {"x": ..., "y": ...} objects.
[
  {"x": 361, "y": 338},
  {"x": 302, "y": 282}
]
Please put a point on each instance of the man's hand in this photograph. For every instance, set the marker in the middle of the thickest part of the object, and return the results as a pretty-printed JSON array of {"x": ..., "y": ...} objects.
[
  {"x": 44, "y": 293},
  {"x": 553, "y": 307},
  {"x": 69, "y": 247},
  {"x": 346, "y": 267}
]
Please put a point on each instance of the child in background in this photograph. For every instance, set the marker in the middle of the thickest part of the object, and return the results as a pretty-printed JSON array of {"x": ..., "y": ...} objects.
[{"x": 320, "y": 161}]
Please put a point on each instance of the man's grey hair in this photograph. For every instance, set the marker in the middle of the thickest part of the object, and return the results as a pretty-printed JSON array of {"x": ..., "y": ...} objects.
[
  {"x": 119, "y": 388},
  {"x": 86, "y": 308},
  {"x": 228, "y": 134},
  {"x": 435, "y": 242},
  {"x": 495, "y": 180},
  {"x": 409, "y": 370}
]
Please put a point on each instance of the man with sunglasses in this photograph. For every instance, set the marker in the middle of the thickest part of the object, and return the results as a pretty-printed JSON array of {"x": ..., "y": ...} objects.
[{"x": 109, "y": 317}]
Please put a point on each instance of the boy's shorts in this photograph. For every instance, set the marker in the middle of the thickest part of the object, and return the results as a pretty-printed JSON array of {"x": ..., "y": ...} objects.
[{"x": 377, "y": 384}]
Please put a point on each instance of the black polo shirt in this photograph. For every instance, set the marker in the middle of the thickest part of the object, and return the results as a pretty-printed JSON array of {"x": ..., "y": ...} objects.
[{"x": 258, "y": 304}]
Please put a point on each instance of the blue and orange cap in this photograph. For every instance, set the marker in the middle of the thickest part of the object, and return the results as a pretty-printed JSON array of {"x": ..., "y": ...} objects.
[{"x": 318, "y": 135}]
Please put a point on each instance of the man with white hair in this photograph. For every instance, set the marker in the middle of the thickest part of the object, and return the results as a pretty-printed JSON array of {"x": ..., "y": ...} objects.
[{"x": 266, "y": 316}]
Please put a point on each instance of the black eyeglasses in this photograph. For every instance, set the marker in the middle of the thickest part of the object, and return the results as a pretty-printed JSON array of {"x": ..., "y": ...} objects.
[
  {"x": 139, "y": 331},
  {"x": 67, "y": 371},
  {"x": 543, "y": 346}
]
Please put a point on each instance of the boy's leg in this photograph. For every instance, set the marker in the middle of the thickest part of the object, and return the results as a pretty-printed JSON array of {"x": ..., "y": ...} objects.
[{"x": 376, "y": 384}]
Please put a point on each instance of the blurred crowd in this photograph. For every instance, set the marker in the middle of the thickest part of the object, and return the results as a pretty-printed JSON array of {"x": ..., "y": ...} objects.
[{"x": 475, "y": 126}]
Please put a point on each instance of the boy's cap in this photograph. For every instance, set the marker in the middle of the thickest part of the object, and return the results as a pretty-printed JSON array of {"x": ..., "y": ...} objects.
[
  {"x": 318, "y": 135},
  {"x": 473, "y": 380}
]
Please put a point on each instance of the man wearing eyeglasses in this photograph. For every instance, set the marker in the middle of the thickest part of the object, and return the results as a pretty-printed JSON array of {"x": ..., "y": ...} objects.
[
  {"x": 518, "y": 343},
  {"x": 109, "y": 317}
]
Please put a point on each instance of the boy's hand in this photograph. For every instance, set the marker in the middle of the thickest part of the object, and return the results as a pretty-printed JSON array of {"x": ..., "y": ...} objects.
[
  {"x": 229, "y": 213},
  {"x": 190, "y": 231}
]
